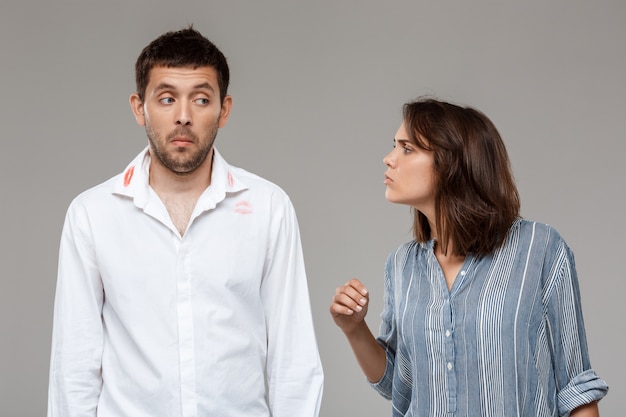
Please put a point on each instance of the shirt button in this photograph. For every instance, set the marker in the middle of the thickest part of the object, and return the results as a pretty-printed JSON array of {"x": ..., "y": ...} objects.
[
  {"x": 463, "y": 273},
  {"x": 449, "y": 366},
  {"x": 447, "y": 333}
]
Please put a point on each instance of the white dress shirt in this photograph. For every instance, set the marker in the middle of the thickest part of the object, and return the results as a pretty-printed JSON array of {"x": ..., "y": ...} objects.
[{"x": 214, "y": 323}]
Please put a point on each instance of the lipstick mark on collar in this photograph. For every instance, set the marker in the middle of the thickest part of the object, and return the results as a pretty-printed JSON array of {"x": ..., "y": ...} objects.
[{"x": 128, "y": 176}]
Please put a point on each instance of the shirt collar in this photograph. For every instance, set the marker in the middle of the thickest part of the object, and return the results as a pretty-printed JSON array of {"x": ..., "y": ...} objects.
[
  {"x": 133, "y": 182},
  {"x": 428, "y": 245}
]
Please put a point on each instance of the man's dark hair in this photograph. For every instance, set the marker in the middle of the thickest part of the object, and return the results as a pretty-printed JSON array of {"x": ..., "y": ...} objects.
[
  {"x": 476, "y": 200},
  {"x": 183, "y": 48}
]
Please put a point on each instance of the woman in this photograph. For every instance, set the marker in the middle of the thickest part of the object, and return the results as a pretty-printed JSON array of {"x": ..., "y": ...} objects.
[{"x": 482, "y": 313}]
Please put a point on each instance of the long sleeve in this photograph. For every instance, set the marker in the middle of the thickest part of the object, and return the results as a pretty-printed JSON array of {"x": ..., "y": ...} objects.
[
  {"x": 506, "y": 339},
  {"x": 77, "y": 341},
  {"x": 577, "y": 383},
  {"x": 215, "y": 322},
  {"x": 391, "y": 381},
  {"x": 294, "y": 370}
]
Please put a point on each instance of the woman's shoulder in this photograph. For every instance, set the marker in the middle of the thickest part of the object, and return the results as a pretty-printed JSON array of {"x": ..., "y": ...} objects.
[
  {"x": 399, "y": 255},
  {"x": 406, "y": 247},
  {"x": 536, "y": 237},
  {"x": 527, "y": 227}
]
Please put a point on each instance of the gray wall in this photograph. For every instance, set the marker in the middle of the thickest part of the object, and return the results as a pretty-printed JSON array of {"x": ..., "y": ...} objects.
[{"x": 318, "y": 88}]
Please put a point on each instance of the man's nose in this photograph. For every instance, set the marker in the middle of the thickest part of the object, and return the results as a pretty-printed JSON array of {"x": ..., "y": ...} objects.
[{"x": 183, "y": 117}]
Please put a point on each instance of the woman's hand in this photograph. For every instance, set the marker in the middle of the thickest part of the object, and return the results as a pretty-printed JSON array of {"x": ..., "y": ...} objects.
[
  {"x": 348, "y": 309},
  {"x": 349, "y": 305}
]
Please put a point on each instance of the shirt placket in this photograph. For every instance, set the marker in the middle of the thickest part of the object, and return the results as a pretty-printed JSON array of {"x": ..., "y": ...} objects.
[
  {"x": 451, "y": 376},
  {"x": 448, "y": 320},
  {"x": 185, "y": 330},
  {"x": 449, "y": 323}
]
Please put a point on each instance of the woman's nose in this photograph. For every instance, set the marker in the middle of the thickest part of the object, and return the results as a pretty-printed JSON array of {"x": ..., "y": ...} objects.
[{"x": 389, "y": 159}]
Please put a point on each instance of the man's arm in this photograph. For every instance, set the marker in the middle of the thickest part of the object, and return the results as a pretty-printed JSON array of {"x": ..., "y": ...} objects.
[
  {"x": 75, "y": 378},
  {"x": 294, "y": 370}
]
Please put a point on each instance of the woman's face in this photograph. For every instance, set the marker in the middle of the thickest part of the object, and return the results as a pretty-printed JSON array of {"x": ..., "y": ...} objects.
[{"x": 410, "y": 175}]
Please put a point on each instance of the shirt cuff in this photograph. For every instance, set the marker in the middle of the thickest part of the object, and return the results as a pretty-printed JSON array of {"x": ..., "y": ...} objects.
[
  {"x": 582, "y": 389},
  {"x": 385, "y": 385}
]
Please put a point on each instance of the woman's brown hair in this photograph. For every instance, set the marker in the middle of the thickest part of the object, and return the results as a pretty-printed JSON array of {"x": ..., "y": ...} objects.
[{"x": 476, "y": 200}]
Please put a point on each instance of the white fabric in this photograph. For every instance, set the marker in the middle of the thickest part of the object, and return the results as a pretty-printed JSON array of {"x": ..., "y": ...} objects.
[{"x": 214, "y": 323}]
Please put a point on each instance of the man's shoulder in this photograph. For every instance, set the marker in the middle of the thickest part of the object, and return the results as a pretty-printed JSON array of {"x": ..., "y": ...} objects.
[
  {"x": 257, "y": 183},
  {"x": 98, "y": 194},
  {"x": 122, "y": 184}
]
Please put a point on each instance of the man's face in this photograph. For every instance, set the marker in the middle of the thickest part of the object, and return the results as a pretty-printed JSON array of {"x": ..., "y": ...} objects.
[{"x": 181, "y": 113}]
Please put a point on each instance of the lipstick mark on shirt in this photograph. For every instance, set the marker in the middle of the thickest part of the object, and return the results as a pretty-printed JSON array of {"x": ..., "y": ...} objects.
[
  {"x": 243, "y": 207},
  {"x": 231, "y": 181},
  {"x": 128, "y": 176}
]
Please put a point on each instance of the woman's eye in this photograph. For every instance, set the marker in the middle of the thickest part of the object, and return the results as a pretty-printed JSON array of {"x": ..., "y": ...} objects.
[{"x": 406, "y": 149}]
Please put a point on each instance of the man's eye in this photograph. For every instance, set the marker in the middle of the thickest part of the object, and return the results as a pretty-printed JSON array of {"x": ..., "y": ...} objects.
[
  {"x": 202, "y": 101},
  {"x": 166, "y": 100}
]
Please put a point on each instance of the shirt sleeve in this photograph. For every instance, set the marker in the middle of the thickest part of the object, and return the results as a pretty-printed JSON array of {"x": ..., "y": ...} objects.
[
  {"x": 77, "y": 336},
  {"x": 396, "y": 382},
  {"x": 387, "y": 334},
  {"x": 294, "y": 370},
  {"x": 577, "y": 383}
]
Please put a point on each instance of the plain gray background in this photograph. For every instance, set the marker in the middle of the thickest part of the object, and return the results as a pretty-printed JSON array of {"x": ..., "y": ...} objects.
[{"x": 318, "y": 89}]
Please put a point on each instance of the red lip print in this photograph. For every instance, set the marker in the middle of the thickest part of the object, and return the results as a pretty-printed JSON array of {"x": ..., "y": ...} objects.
[
  {"x": 128, "y": 176},
  {"x": 243, "y": 207}
]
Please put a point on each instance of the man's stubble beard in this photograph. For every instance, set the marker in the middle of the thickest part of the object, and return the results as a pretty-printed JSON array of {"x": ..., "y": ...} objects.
[{"x": 181, "y": 161}]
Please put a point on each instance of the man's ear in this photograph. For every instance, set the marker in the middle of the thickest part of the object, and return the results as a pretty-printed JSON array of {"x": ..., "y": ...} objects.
[
  {"x": 227, "y": 104},
  {"x": 136, "y": 106}
]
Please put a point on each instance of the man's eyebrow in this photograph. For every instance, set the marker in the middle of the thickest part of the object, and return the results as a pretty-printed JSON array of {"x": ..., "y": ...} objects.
[
  {"x": 203, "y": 86},
  {"x": 166, "y": 86}
]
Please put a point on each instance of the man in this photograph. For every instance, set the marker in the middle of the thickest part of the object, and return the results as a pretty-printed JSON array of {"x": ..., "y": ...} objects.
[{"x": 181, "y": 287}]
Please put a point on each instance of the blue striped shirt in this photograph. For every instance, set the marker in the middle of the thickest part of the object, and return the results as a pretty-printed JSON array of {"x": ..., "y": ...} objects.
[{"x": 506, "y": 340}]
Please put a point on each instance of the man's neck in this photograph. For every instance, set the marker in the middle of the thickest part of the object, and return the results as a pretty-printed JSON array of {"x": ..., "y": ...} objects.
[
  {"x": 166, "y": 182},
  {"x": 180, "y": 193}
]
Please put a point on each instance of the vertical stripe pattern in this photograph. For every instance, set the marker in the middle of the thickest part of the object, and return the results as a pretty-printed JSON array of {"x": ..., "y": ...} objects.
[{"x": 506, "y": 340}]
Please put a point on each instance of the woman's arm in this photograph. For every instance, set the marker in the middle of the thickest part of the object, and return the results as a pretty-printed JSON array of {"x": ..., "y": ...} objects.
[
  {"x": 587, "y": 410},
  {"x": 348, "y": 310}
]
